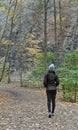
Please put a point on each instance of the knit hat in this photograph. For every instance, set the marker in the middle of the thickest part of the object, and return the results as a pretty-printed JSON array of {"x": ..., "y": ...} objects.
[{"x": 51, "y": 67}]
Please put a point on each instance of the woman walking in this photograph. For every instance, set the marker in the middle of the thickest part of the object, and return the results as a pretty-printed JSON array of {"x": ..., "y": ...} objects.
[{"x": 51, "y": 81}]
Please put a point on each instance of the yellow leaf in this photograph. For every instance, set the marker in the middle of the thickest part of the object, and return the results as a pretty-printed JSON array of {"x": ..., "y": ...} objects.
[{"x": 7, "y": 42}]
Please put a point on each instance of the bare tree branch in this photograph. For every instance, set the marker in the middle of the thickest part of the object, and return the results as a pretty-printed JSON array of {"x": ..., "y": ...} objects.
[
  {"x": 47, "y": 2},
  {"x": 3, "y": 29}
]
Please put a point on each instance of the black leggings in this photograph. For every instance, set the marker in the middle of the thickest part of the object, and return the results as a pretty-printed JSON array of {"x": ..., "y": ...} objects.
[{"x": 51, "y": 96}]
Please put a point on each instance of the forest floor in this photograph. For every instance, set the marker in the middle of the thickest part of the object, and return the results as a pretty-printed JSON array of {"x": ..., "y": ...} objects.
[{"x": 26, "y": 109}]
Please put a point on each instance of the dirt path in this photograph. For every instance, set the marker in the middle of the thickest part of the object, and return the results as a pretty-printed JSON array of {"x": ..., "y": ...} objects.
[{"x": 26, "y": 109}]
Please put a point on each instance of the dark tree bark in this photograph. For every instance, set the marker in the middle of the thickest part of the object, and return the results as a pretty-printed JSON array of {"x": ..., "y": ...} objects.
[
  {"x": 3, "y": 29},
  {"x": 55, "y": 28},
  {"x": 45, "y": 34},
  {"x": 10, "y": 38}
]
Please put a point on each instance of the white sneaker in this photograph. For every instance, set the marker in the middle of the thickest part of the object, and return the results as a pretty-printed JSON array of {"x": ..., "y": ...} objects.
[
  {"x": 49, "y": 115},
  {"x": 52, "y": 114}
]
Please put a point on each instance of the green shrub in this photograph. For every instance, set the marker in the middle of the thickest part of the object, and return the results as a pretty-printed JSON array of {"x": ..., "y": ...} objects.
[
  {"x": 33, "y": 83},
  {"x": 68, "y": 74}
]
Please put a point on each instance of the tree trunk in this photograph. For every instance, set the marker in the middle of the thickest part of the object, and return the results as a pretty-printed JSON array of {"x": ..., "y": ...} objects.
[
  {"x": 55, "y": 29},
  {"x": 3, "y": 69},
  {"x": 55, "y": 35},
  {"x": 21, "y": 80},
  {"x": 3, "y": 29},
  {"x": 10, "y": 38},
  {"x": 45, "y": 35}
]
